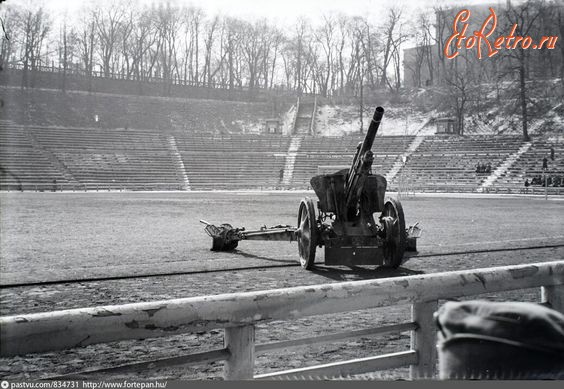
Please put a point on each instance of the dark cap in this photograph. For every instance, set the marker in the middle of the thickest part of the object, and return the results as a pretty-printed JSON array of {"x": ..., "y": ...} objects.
[{"x": 509, "y": 340}]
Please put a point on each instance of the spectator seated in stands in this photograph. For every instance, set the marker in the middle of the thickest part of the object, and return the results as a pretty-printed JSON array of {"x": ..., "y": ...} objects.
[
  {"x": 527, "y": 184},
  {"x": 551, "y": 180},
  {"x": 483, "y": 168},
  {"x": 547, "y": 181}
]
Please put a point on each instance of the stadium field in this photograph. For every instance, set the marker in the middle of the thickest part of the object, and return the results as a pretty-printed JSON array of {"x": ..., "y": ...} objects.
[
  {"x": 53, "y": 236},
  {"x": 141, "y": 239}
]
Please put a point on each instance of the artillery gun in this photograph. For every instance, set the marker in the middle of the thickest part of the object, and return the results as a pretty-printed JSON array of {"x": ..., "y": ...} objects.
[{"x": 345, "y": 221}]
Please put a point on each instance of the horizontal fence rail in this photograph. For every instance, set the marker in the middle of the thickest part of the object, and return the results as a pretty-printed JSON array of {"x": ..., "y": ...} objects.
[
  {"x": 239, "y": 313},
  {"x": 251, "y": 185}
]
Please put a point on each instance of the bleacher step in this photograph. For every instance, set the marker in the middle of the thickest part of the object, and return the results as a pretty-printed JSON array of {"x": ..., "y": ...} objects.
[
  {"x": 178, "y": 162},
  {"x": 399, "y": 163},
  {"x": 293, "y": 149},
  {"x": 505, "y": 166},
  {"x": 51, "y": 157}
]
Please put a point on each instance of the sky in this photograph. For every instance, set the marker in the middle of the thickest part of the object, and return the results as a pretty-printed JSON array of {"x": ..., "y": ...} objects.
[{"x": 283, "y": 12}]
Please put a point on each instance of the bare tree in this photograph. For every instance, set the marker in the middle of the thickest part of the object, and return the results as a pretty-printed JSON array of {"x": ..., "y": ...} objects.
[
  {"x": 270, "y": 44},
  {"x": 67, "y": 48},
  {"x": 325, "y": 36},
  {"x": 277, "y": 38},
  {"x": 460, "y": 87},
  {"x": 126, "y": 32},
  {"x": 299, "y": 46},
  {"x": 393, "y": 36},
  {"x": 231, "y": 47},
  {"x": 34, "y": 26},
  {"x": 211, "y": 28},
  {"x": 343, "y": 25},
  {"x": 139, "y": 42},
  {"x": 87, "y": 42},
  {"x": 108, "y": 21},
  {"x": 7, "y": 19},
  {"x": 168, "y": 25},
  {"x": 197, "y": 16},
  {"x": 423, "y": 63},
  {"x": 524, "y": 16}
]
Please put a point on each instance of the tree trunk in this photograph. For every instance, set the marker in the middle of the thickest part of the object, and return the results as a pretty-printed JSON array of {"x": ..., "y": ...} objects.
[{"x": 523, "y": 95}]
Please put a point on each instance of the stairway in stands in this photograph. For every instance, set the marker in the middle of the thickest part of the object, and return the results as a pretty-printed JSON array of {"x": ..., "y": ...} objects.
[
  {"x": 55, "y": 162},
  {"x": 505, "y": 166},
  {"x": 178, "y": 163},
  {"x": 295, "y": 144},
  {"x": 398, "y": 164},
  {"x": 304, "y": 116}
]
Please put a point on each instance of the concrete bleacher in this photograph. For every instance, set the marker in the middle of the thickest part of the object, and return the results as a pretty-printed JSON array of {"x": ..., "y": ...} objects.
[
  {"x": 232, "y": 161},
  {"x": 449, "y": 163},
  {"x": 339, "y": 151},
  {"x": 80, "y": 140},
  {"x": 529, "y": 165},
  {"x": 21, "y": 164},
  {"x": 111, "y": 158}
]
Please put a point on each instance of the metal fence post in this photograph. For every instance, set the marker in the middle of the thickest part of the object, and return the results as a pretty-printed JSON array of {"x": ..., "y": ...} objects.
[
  {"x": 554, "y": 295},
  {"x": 424, "y": 340},
  {"x": 240, "y": 342}
]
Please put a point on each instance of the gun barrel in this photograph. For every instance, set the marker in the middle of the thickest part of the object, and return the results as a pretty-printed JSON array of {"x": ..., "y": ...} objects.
[
  {"x": 365, "y": 146},
  {"x": 372, "y": 130},
  {"x": 360, "y": 164}
]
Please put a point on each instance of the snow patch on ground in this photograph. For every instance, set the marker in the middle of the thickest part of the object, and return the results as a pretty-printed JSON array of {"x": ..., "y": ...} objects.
[
  {"x": 249, "y": 126},
  {"x": 288, "y": 120},
  {"x": 343, "y": 120}
]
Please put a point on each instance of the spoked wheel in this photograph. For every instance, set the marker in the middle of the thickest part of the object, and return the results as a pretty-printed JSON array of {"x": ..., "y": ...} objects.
[
  {"x": 393, "y": 221},
  {"x": 307, "y": 233}
]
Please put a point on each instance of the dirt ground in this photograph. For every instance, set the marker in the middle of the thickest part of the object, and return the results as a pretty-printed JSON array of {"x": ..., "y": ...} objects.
[{"x": 63, "y": 236}]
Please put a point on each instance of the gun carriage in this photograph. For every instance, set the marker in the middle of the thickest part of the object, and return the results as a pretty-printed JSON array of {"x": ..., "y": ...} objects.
[{"x": 345, "y": 222}]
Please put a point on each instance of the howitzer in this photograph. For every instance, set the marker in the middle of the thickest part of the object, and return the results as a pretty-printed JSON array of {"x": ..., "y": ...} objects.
[{"x": 349, "y": 199}]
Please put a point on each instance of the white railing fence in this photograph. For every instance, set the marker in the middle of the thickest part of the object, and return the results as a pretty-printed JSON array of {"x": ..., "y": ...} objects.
[{"x": 239, "y": 313}]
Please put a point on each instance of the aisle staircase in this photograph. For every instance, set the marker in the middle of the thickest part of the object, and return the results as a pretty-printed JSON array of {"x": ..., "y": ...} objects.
[
  {"x": 504, "y": 167},
  {"x": 295, "y": 144},
  {"x": 51, "y": 157},
  {"x": 304, "y": 116},
  {"x": 178, "y": 163},
  {"x": 398, "y": 164}
]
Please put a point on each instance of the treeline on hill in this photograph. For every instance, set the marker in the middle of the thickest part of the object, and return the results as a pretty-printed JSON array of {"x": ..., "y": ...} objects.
[
  {"x": 178, "y": 42},
  {"x": 520, "y": 82},
  {"x": 337, "y": 56}
]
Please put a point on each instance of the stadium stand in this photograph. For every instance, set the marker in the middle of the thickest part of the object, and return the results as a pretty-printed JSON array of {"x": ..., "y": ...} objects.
[
  {"x": 449, "y": 163},
  {"x": 51, "y": 141},
  {"x": 339, "y": 151},
  {"x": 233, "y": 161},
  {"x": 23, "y": 166},
  {"x": 530, "y": 165}
]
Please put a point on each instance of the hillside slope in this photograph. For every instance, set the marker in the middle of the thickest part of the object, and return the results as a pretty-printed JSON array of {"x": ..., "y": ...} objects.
[{"x": 491, "y": 109}]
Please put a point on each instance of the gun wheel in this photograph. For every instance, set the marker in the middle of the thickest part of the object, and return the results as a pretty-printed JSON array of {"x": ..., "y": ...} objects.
[
  {"x": 393, "y": 221},
  {"x": 307, "y": 233}
]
